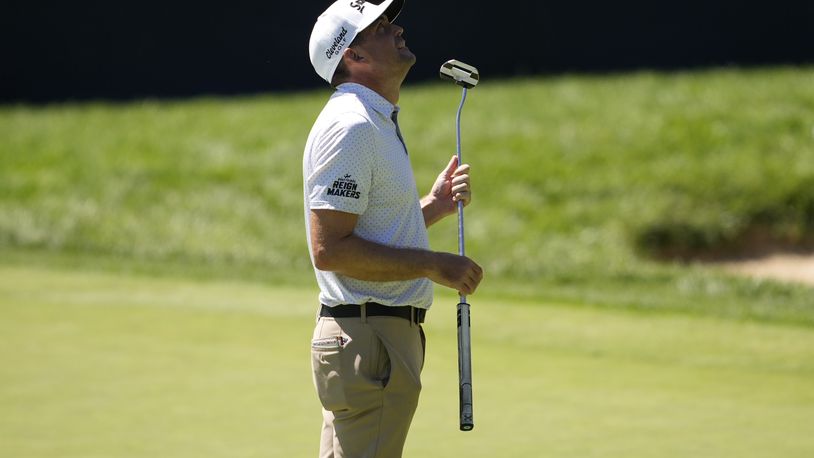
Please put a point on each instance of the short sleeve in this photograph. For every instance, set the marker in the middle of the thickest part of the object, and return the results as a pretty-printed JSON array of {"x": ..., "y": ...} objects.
[{"x": 342, "y": 165}]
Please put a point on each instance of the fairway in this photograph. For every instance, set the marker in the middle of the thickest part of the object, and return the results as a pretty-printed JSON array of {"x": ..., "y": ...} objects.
[{"x": 104, "y": 365}]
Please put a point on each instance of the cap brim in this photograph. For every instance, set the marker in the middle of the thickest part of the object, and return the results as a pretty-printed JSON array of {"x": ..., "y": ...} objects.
[{"x": 392, "y": 12}]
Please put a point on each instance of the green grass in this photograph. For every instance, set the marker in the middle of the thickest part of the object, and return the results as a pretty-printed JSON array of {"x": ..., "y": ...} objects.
[
  {"x": 98, "y": 365},
  {"x": 578, "y": 181}
]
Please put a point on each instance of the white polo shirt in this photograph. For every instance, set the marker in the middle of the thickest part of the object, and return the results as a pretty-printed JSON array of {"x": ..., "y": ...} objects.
[{"x": 355, "y": 162}]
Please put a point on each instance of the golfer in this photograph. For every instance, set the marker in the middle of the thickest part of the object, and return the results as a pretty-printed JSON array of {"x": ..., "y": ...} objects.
[{"x": 367, "y": 234}]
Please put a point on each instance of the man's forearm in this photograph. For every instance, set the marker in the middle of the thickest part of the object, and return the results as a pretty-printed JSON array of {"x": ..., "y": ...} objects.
[
  {"x": 432, "y": 211},
  {"x": 337, "y": 248},
  {"x": 365, "y": 260},
  {"x": 362, "y": 259}
]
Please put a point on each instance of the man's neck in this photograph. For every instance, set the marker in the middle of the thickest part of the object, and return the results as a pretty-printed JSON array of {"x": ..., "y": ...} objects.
[{"x": 389, "y": 90}]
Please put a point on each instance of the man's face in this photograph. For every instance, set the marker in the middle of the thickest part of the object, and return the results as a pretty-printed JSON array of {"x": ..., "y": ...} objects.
[{"x": 383, "y": 45}]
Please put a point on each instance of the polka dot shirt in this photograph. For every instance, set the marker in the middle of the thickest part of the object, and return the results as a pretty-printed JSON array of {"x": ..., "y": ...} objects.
[{"x": 356, "y": 162}]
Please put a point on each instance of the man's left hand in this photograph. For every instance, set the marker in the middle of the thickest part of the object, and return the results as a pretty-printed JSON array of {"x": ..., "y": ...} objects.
[{"x": 451, "y": 186}]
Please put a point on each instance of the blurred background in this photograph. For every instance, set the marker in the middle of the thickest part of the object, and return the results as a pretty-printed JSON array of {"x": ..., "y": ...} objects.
[
  {"x": 90, "y": 49},
  {"x": 644, "y": 212}
]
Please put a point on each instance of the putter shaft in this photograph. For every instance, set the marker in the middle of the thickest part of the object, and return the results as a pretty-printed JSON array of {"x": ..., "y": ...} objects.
[
  {"x": 461, "y": 248},
  {"x": 466, "y": 418}
]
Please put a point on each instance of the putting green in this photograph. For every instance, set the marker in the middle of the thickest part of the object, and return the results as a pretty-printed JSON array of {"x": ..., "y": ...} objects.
[{"x": 101, "y": 365}]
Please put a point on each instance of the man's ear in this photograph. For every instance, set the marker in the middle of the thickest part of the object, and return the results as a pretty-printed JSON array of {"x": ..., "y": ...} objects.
[{"x": 353, "y": 55}]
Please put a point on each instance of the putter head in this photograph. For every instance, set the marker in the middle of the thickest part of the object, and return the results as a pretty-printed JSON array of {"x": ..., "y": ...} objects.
[{"x": 462, "y": 74}]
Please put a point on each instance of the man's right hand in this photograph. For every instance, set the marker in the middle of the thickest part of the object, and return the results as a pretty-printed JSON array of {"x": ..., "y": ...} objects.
[{"x": 457, "y": 272}]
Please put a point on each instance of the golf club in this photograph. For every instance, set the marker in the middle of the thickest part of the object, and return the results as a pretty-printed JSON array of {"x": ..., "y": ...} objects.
[{"x": 467, "y": 77}]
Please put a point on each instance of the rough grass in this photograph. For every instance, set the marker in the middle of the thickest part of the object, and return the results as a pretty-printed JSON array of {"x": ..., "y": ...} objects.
[{"x": 579, "y": 181}]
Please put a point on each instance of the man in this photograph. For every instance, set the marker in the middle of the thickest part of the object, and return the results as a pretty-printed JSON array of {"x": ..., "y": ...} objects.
[{"x": 367, "y": 233}]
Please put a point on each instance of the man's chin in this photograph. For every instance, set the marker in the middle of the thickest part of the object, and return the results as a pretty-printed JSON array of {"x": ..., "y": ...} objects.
[{"x": 407, "y": 55}]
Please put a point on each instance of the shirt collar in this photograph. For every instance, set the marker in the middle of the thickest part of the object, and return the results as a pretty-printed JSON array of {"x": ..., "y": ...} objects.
[{"x": 369, "y": 97}]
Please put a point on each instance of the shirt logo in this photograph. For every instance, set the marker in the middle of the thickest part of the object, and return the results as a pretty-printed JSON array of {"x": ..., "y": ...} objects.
[
  {"x": 338, "y": 44},
  {"x": 358, "y": 4},
  {"x": 344, "y": 187}
]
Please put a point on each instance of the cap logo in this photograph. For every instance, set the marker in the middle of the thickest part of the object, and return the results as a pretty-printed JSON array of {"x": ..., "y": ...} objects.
[
  {"x": 339, "y": 41},
  {"x": 359, "y": 5}
]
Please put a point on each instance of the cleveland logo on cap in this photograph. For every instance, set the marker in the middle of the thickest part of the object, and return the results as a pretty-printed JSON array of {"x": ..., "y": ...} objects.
[
  {"x": 339, "y": 41},
  {"x": 358, "y": 4}
]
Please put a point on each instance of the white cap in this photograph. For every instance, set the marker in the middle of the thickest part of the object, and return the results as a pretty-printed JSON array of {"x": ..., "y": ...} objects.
[{"x": 338, "y": 26}]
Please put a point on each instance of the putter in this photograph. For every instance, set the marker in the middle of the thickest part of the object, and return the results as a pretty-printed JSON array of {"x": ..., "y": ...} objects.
[{"x": 467, "y": 77}]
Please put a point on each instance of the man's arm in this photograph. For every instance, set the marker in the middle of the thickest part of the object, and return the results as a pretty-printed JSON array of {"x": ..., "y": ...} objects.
[
  {"x": 336, "y": 248},
  {"x": 451, "y": 186}
]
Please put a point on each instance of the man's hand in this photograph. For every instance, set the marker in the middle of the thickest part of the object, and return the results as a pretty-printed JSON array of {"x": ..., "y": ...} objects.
[
  {"x": 451, "y": 186},
  {"x": 457, "y": 272}
]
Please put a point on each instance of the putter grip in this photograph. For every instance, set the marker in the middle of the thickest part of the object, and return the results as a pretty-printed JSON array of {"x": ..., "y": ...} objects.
[{"x": 465, "y": 368}]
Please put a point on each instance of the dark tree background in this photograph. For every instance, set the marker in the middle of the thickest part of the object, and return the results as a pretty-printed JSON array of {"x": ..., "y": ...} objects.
[{"x": 55, "y": 51}]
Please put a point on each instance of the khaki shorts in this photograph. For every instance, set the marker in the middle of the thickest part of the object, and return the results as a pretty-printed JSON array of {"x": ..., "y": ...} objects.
[{"x": 367, "y": 375}]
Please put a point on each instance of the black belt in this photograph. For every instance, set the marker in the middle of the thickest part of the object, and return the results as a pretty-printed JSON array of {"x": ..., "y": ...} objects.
[{"x": 373, "y": 309}]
